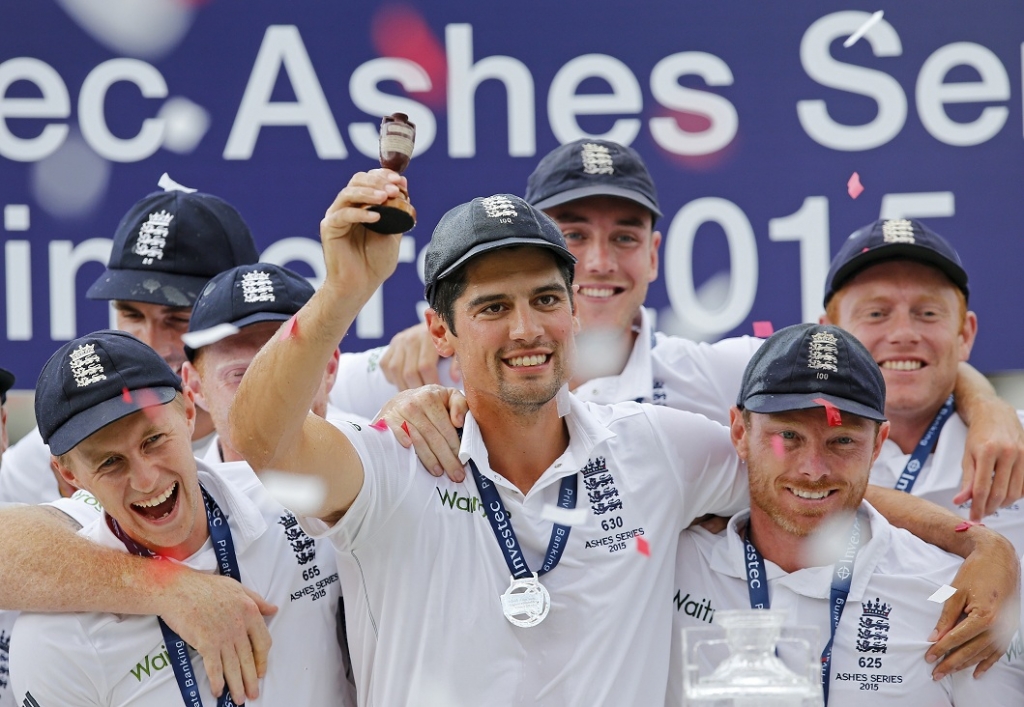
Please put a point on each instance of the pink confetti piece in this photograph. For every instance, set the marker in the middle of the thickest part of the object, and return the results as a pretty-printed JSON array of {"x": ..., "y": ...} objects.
[
  {"x": 967, "y": 525},
  {"x": 126, "y": 395},
  {"x": 290, "y": 329},
  {"x": 148, "y": 401},
  {"x": 642, "y": 547},
  {"x": 831, "y": 411},
  {"x": 405, "y": 428},
  {"x": 763, "y": 330},
  {"x": 380, "y": 425},
  {"x": 780, "y": 452},
  {"x": 853, "y": 187}
]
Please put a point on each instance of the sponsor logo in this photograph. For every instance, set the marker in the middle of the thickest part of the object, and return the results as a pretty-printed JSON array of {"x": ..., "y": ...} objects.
[
  {"x": 470, "y": 504},
  {"x": 699, "y": 609},
  {"x": 151, "y": 664}
]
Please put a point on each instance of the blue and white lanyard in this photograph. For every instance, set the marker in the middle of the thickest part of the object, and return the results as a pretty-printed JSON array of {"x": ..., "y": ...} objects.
[
  {"x": 842, "y": 576},
  {"x": 924, "y": 448},
  {"x": 177, "y": 649},
  {"x": 501, "y": 524}
]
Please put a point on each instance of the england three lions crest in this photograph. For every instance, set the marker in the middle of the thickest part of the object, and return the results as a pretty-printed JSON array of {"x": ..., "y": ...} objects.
[{"x": 873, "y": 631}]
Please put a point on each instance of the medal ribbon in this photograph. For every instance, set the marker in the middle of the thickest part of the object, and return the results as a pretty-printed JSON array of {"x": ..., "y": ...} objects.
[
  {"x": 924, "y": 448},
  {"x": 506, "y": 536},
  {"x": 842, "y": 577},
  {"x": 177, "y": 649}
]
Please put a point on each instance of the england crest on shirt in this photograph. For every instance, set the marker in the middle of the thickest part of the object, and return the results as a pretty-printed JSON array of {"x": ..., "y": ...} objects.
[{"x": 873, "y": 631}]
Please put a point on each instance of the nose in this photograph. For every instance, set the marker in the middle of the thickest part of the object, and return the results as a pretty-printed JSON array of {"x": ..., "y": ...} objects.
[
  {"x": 145, "y": 475},
  {"x": 598, "y": 257},
  {"x": 525, "y": 325},
  {"x": 903, "y": 329},
  {"x": 813, "y": 466}
]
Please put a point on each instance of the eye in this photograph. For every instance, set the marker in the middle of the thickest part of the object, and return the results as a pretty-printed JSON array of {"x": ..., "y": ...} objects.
[
  {"x": 626, "y": 239},
  {"x": 787, "y": 435},
  {"x": 572, "y": 235},
  {"x": 548, "y": 300}
]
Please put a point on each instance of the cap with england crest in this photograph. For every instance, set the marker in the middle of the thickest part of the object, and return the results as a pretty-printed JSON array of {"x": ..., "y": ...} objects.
[
  {"x": 170, "y": 244},
  {"x": 95, "y": 380},
  {"x": 485, "y": 224}
]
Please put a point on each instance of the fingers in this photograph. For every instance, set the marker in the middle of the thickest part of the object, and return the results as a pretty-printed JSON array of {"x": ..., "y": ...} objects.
[
  {"x": 265, "y": 607},
  {"x": 458, "y": 406},
  {"x": 967, "y": 654},
  {"x": 424, "y": 412},
  {"x": 984, "y": 665},
  {"x": 247, "y": 667},
  {"x": 411, "y": 359},
  {"x": 1000, "y": 485},
  {"x": 214, "y": 673},
  {"x": 233, "y": 676}
]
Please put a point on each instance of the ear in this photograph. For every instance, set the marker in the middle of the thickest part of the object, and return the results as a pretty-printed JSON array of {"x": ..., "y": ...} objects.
[
  {"x": 823, "y": 319},
  {"x": 883, "y": 434},
  {"x": 64, "y": 472},
  {"x": 191, "y": 381},
  {"x": 190, "y": 409},
  {"x": 655, "y": 244},
  {"x": 738, "y": 432},
  {"x": 440, "y": 334},
  {"x": 968, "y": 333}
]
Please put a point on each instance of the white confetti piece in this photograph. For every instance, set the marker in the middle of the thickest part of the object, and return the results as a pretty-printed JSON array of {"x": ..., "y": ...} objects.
[
  {"x": 564, "y": 516},
  {"x": 302, "y": 494},
  {"x": 942, "y": 594},
  {"x": 205, "y": 337},
  {"x": 168, "y": 184},
  {"x": 863, "y": 29}
]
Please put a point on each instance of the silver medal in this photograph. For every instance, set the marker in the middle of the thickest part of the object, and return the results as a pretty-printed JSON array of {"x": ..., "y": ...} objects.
[{"x": 526, "y": 602}]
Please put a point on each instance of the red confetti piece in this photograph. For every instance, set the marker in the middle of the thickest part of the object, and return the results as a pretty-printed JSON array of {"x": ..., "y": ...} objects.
[
  {"x": 126, "y": 396},
  {"x": 831, "y": 411},
  {"x": 642, "y": 547},
  {"x": 853, "y": 187},
  {"x": 763, "y": 330},
  {"x": 290, "y": 329},
  {"x": 148, "y": 402},
  {"x": 380, "y": 425},
  {"x": 967, "y": 525},
  {"x": 405, "y": 428},
  {"x": 777, "y": 446}
]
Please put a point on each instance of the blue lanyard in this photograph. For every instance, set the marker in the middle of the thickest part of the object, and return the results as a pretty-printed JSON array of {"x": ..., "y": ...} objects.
[
  {"x": 924, "y": 448},
  {"x": 177, "y": 649},
  {"x": 506, "y": 536},
  {"x": 842, "y": 576}
]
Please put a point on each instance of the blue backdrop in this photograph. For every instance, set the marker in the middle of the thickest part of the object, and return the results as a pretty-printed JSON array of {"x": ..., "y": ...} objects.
[{"x": 752, "y": 118}]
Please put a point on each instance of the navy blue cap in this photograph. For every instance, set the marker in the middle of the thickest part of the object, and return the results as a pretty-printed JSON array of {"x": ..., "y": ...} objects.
[
  {"x": 591, "y": 168},
  {"x": 485, "y": 224},
  {"x": 894, "y": 239},
  {"x": 247, "y": 294},
  {"x": 169, "y": 245},
  {"x": 81, "y": 388},
  {"x": 802, "y": 364},
  {"x": 6, "y": 383}
]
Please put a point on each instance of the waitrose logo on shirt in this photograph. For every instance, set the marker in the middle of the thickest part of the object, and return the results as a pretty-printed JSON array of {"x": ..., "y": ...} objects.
[
  {"x": 151, "y": 664},
  {"x": 453, "y": 500}
]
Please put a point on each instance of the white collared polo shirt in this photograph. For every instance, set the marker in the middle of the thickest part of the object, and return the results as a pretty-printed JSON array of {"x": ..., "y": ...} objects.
[
  {"x": 878, "y": 654},
  {"x": 940, "y": 478},
  {"x": 423, "y": 573},
  {"x": 111, "y": 659}
]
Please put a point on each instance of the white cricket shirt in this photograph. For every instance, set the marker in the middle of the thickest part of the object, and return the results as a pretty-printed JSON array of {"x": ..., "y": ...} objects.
[
  {"x": 423, "y": 572},
  {"x": 878, "y": 654},
  {"x": 111, "y": 659},
  {"x": 940, "y": 477}
]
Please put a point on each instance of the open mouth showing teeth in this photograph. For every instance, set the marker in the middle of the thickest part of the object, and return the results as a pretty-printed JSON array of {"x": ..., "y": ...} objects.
[
  {"x": 599, "y": 292},
  {"x": 159, "y": 507},
  {"x": 524, "y": 361},
  {"x": 902, "y": 365},
  {"x": 809, "y": 495}
]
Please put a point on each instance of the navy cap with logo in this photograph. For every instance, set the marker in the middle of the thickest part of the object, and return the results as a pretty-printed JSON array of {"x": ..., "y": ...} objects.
[
  {"x": 6, "y": 383},
  {"x": 169, "y": 245},
  {"x": 893, "y": 239},
  {"x": 248, "y": 294},
  {"x": 591, "y": 168},
  {"x": 82, "y": 388},
  {"x": 485, "y": 224},
  {"x": 802, "y": 365}
]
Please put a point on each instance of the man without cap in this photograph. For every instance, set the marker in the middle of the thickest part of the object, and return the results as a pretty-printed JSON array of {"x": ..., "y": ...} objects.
[
  {"x": 165, "y": 249},
  {"x": 603, "y": 198},
  {"x": 120, "y": 424},
  {"x": 901, "y": 289},
  {"x": 809, "y": 423},
  {"x": 444, "y": 604}
]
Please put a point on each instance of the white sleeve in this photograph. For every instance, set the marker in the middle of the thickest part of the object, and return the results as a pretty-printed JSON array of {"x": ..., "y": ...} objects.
[
  {"x": 711, "y": 477},
  {"x": 53, "y": 664},
  {"x": 82, "y": 507},
  {"x": 360, "y": 386},
  {"x": 389, "y": 472},
  {"x": 27, "y": 477}
]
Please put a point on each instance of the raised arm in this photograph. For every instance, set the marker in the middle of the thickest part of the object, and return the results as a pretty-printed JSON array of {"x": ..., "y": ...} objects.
[
  {"x": 988, "y": 582},
  {"x": 48, "y": 567},
  {"x": 993, "y": 460},
  {"x": 270, "y": 423}
]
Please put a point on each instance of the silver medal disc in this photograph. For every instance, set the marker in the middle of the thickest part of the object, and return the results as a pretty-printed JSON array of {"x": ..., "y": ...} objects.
[{"x": 526, "y": 602}]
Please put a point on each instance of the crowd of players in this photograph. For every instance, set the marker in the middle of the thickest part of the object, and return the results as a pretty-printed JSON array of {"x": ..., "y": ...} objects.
[{"x": 537, "y": 538}]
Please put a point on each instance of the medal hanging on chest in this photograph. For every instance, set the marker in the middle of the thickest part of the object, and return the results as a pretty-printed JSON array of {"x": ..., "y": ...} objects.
[{"x": 526, "y": 602}]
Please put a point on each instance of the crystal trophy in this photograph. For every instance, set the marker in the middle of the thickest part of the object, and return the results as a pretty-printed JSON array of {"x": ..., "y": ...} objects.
[{"x": 758, "y": 662}]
